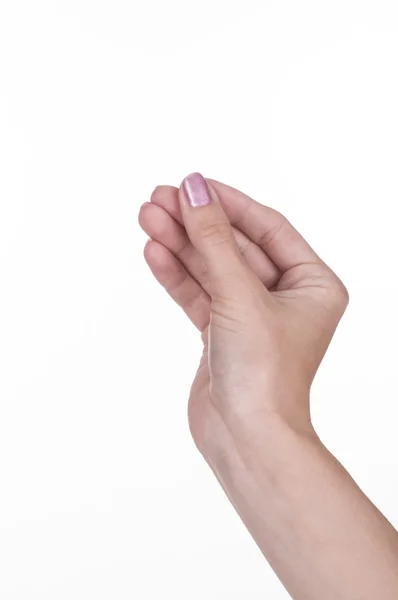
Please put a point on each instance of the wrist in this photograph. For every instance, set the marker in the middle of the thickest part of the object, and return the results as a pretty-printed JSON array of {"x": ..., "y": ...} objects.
[{"x": 265, "y": 444}]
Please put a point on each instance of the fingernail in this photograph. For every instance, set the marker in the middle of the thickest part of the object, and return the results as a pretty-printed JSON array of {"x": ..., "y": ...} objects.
[{"x": 196, "y": 190}]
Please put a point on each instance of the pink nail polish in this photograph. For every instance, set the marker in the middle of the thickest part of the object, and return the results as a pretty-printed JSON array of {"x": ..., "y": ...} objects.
[{"x": 196, "y": 190}]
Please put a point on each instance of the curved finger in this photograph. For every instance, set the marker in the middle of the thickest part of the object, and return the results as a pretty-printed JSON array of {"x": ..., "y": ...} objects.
[
  {"x": 178, "y": 283},
  {"x": 160, "y": 226}
]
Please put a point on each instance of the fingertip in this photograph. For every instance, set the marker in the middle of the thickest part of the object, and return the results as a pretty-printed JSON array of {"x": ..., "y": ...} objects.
[
  {"x": 160, "y": 192},
  {"x": 151, "y": 250},
  {"x": 146, "y": 251},
  {"x": 142, "y": 213},
  {"x": 155, "y": 255},
  {"x": 166, "y": 197}
]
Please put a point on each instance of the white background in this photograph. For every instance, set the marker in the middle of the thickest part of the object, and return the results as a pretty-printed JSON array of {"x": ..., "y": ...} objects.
[{"x": 102, "y": 493}]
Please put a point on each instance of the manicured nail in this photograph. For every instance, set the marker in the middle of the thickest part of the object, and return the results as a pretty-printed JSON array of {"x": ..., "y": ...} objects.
[{"x": 196, "y": 190}]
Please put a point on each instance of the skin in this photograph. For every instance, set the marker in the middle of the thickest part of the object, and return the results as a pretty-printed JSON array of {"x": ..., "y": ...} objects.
[{"x": 267, "y": 307}]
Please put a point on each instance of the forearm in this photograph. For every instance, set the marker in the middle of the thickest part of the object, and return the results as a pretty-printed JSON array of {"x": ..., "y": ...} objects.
[{"x": 320, "y": 533}]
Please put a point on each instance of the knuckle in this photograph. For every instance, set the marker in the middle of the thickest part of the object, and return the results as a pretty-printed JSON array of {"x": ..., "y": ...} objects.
[
  {"x": 279, "y": 222},
  {"x": 339, "y": 294},
  {"x": 278, "y": 217},
  {"x": 344, "y": 293},
  {"x": 214, "y": 233}
]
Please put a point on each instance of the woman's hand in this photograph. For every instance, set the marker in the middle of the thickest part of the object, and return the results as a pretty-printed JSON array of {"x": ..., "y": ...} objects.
[
  {"x": 267, "y": 307},
  {"x": 266, "y": 304}
]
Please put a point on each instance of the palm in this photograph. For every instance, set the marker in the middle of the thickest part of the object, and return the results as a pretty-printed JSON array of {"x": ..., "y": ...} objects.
[{"x": 296, "y": 301}]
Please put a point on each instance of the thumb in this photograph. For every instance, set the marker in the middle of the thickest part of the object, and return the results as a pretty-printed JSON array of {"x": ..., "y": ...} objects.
[{"x": 210, "y": 232}]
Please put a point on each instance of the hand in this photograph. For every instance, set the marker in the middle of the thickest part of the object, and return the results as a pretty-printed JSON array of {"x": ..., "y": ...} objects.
[
  {"x": 266, "y": 304},
  {"x": 267, "y": 307}
]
